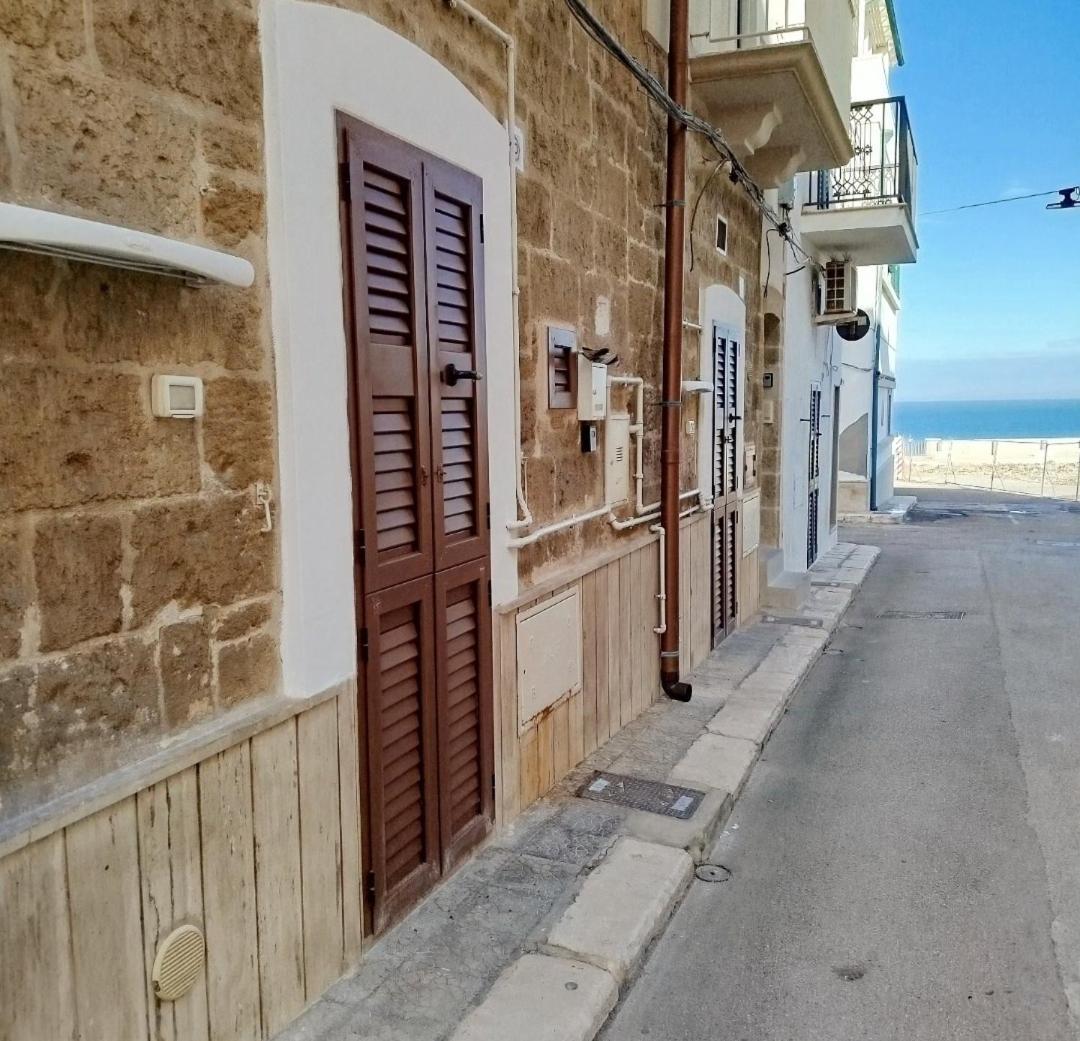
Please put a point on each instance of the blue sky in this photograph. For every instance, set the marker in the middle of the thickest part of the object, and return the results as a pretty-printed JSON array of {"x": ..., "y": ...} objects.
[{"x": 992, "y": 309}]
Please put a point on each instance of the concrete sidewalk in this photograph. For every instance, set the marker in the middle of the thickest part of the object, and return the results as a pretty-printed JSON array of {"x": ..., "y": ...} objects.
[{"x": 537, "y": 936}]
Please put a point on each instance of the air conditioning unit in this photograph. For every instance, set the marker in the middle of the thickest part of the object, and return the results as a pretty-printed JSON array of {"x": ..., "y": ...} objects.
[{"x": 837, "y": 292}]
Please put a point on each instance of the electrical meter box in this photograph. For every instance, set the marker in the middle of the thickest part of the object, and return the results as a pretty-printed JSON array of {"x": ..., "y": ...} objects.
[
  {"x": 591, "y": 390},
  {"x": 617, "y": 458}
]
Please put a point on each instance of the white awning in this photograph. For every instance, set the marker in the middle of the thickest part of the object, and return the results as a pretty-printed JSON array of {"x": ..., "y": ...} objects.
[{"x": 94, "y": 242}]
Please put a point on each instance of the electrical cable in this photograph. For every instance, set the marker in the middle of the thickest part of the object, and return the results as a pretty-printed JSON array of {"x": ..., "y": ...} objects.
[
  {"x": 656, "y": 91},
  {"x": 693, "y": 214},
  {"x": 997, "y": 202}
]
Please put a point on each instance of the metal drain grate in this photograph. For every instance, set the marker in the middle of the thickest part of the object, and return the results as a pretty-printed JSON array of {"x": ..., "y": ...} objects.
[
  {"x": 668, "y": 800},
  {"x": 926, "y": 616},
  {"x": 793, "y": 619}
]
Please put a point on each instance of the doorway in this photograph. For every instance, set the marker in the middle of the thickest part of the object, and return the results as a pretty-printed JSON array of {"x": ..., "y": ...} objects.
[
  {"x": 813, "y": 496},
  {"x": 727, "y": 420},
  {"x": 412, "y": 247}
]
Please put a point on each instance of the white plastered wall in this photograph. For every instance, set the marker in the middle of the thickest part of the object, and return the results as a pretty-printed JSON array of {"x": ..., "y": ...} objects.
[
  {"x": 811, "y": 356},
  {"x": 318, "y": 60}
]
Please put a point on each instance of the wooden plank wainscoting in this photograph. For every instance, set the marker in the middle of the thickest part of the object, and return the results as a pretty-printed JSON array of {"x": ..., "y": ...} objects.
[
  {"x": 258, "y": 845},
  {"x": 619, "y": 663}
]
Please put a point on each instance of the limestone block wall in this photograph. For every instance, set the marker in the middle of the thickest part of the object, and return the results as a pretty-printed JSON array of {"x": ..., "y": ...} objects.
[
  {"x": 591, "y": 232},
  {"x": 137, "y": 591}
]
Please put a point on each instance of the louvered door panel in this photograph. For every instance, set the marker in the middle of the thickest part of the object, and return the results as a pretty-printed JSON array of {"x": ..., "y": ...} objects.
[
  {"x": 402, "y": 746},
  {"x": 463, "y": 663},
  {"x": 731, "y": 471},
  {"x": 720, "y": 421},
  {"x": 455, "y": 319},
  {"x": 731, "y": 556},
  {"x": 385, "y": 199},
  {"x": 726, "y": 464}
]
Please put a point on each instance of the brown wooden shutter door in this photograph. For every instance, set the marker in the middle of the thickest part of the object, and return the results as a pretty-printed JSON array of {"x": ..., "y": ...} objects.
[
  {"x": 391, "y": 362},
  {"x": 456, "y": 332},
  {"x": 402, "y": 747},
  {"x": 414, "y": 254},
  {"x": 463, "y": 661},
  {"x": 725, "y": 486}
]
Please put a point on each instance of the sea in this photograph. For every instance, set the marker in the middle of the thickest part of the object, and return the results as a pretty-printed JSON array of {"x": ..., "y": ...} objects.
[{"x": 969, "y": 420}]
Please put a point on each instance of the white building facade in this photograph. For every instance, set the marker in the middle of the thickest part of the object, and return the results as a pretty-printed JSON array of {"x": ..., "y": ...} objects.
[{"x": 832, "y": 306}]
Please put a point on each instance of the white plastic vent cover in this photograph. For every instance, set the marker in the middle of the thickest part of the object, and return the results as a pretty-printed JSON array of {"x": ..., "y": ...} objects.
[
  {"x": 179, "y": 963},
  {"x": 548, "y": 654}
]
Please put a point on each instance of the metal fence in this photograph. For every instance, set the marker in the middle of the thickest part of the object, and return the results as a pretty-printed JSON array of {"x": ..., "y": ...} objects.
[{"x": 1049, "y": 468}]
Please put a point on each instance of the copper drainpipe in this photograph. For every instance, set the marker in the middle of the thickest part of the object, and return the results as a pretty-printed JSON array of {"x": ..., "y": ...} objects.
[{"x": 671, "y": 388}]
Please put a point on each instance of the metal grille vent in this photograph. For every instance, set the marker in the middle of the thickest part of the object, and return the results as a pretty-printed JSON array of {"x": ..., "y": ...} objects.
[{"x": 179, "y": 963}]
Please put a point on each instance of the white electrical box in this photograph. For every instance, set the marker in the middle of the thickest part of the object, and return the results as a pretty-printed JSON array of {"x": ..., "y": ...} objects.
[
  {"x": 548, "y": 654},
  {"x": 591, "y": 390},
  {"x": 177, "y": 397},
  {"x": 751, "y": 523},
  {"x": 617, "y": 458}
]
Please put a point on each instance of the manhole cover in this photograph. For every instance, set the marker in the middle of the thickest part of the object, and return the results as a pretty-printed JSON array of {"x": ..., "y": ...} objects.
[
  {"x": 669, "y": 800},
  {"x": 926, "y": 616},
  {"x": 712, "y": 873},
  {"x": 795, "y": 619}
]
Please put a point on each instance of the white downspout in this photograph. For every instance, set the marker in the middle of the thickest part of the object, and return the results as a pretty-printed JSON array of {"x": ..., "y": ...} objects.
[
  {"x": 661, "y": 596},
  {"x": 525, "y": 517}
]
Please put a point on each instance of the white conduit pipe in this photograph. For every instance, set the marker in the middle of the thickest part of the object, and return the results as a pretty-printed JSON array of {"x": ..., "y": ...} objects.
[
  {"x": 551, "y": 529},
  {"x": 633, "y": 522},
  {"x": 482, "y": 20},
  {"x": 661, "y": 596}
]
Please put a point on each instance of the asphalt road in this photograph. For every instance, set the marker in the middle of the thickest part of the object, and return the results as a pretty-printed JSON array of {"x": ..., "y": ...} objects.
[{"x": 906, "y": 857}]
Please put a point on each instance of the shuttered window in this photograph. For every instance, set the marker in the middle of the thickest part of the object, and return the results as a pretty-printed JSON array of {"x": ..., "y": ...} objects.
[{"x": 413, "y": 254}]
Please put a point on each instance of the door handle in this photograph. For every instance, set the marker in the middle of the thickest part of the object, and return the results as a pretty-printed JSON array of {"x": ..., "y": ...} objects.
[{"x": 451, "y": 375}]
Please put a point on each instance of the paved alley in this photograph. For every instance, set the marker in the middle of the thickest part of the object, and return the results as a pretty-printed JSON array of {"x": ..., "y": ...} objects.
[{"x": 905, "y": 857}]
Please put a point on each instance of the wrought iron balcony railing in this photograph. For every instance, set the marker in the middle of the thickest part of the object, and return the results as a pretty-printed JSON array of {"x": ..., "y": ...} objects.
[{"x": 884, "y": 169}]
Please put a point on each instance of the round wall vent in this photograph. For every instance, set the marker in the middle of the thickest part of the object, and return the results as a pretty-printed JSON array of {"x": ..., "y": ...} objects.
[{"x": 179, "y": 962}]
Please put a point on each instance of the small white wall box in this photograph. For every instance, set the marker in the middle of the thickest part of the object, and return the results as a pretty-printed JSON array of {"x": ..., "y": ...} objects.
[
  {"x": 751, "y": 523},
  {"x": 617, "y": 458},
  {"x": 548, "y": 654},
  {"x": 177, "y": 397},
  {"x": 591, "y": 390}
]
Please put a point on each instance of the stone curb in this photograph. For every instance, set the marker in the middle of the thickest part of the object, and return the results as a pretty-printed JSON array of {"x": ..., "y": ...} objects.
[
  {"x": 540, "y": 998},
  {"x": 567, "y": 992},
  {"x": 622, "y": 906}
]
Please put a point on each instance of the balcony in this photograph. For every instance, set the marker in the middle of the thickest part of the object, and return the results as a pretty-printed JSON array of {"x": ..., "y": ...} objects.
[
  {"x": 865, "y": 211},
  {"x": 775, "y": 77}
]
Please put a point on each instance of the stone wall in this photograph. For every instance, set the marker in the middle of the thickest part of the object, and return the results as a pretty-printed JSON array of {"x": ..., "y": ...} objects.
[
  {"x": 591, "y": 233},
  {"x": 137, "y": 592}
]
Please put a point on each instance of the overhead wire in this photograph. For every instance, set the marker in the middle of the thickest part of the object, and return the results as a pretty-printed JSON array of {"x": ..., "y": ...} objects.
[
  {"x": 997, "y": 202},
  {"x": 656, "y": 91},
  {"x": 701, "y": 194}
]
